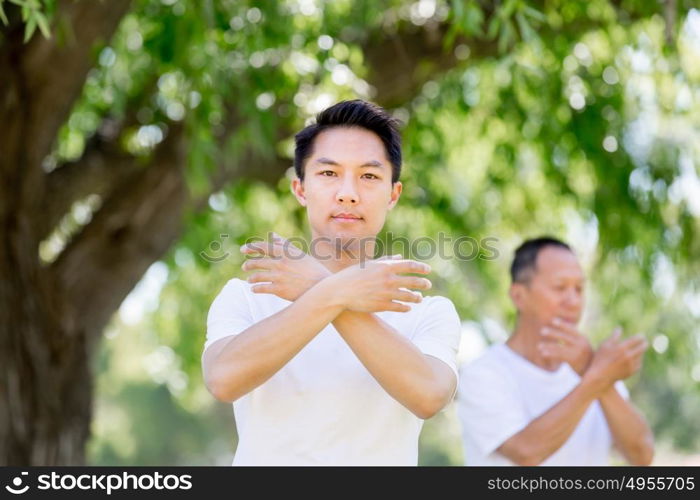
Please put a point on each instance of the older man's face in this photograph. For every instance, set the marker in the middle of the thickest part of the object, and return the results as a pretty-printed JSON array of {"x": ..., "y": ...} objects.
[{"x": 555, "y": 289}]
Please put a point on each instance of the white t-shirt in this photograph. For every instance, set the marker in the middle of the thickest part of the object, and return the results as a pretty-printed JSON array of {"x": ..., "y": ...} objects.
[
  {"x": 323, "y": 407},
  {"x": 501, "y": 392}
]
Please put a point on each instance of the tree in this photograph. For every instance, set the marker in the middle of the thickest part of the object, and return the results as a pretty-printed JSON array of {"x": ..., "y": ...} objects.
[{"x": 120, "y": 119}]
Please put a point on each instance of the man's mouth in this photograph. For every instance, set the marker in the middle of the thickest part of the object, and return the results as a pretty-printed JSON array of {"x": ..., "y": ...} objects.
[{"x": 346, "y": 217}]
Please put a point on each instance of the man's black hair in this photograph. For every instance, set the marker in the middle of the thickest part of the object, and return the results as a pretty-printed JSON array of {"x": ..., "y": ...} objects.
[
  {"x": 355, "y": 113},
  {"x": 525, "y": 260}
]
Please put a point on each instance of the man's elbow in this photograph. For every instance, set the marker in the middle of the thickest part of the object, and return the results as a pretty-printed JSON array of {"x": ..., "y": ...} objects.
[
  {"x": 521, "y": 452},
  {"x": 644, "y": 455},
  {"x": 430, "y": 405},
  {"x": 424, "y": 412},
  {"x": 645, "y": 459},
  {"x": 221, "y": 388},
  {"x": 219, "y": 392},
  {"x": 524, "y": 459}
]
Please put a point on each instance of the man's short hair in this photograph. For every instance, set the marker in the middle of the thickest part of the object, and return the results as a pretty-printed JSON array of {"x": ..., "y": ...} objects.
[
  {"x": 525, "y": 259},
  {"x": 355, "y": 113}
]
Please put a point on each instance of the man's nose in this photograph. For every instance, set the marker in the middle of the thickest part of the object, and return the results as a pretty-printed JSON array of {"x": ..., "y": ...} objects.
[
  {"x": 573, "y": 298},
  {"x": 347, "y": 193}
]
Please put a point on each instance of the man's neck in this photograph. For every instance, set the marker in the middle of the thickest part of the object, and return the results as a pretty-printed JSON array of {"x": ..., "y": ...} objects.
[
  {"x": 525, "y": 339},
  {"x": 336, "y": 255}
]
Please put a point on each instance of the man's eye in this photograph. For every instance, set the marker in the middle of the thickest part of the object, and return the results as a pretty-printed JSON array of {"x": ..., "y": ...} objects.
[
  {"x": 327, "y": 173},
  {"x": 370, "y": 176}
]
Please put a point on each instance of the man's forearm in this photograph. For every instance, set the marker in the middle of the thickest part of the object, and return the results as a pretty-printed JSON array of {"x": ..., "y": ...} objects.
[
  {"x": 420, "y": 383},
  {"x": 253, "y": 356},
  {"x": 547, "y": 433},
  {"x": 630, "y": 431}
]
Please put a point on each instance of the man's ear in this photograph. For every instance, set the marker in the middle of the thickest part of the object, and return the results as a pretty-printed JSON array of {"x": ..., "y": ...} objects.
[
  {"x": 298, "y": 191},
  {"x": 396, "y": 189},
  {"x": 518, "y": 294}
]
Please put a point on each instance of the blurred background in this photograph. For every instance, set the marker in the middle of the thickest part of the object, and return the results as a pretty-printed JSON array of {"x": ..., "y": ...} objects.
[{"x": 171, "y": 143}]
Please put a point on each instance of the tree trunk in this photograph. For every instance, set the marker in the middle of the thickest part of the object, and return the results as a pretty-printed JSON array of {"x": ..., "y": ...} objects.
[
  {"x": 52, "y": 317},
  {"x": 45, "y": 379},
  {"x": 45, "y": 386}
]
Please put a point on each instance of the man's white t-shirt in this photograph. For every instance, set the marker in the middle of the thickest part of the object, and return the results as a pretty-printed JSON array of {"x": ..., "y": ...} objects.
[
  {"x": 501, "y": 392},
  {"x": 323, "y": 407}
]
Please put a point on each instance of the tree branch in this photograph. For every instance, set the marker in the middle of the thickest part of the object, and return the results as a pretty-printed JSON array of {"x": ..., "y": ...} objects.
[
  {"x": 102, "y": 167},
  {"x": 400, "y": 64},
  {"x": 53, "y": 71},
  {"x": 135, "y": 226}
]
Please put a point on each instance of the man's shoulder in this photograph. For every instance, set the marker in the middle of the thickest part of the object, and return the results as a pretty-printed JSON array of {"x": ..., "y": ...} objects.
[
  {"x": 235, "y": 286},
  {"x": 239, "y": 286},
  {"x": 238, "y": 289},
  {"x": 238, "y": 283},
  {"x": 437, "y": 304},
  {"x": 433, "y": 310}
]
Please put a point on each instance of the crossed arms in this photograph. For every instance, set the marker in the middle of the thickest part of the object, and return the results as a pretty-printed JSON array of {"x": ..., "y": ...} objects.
[
  {"x": 234, "y": 366},
  {"x": 614, "y": 360}
]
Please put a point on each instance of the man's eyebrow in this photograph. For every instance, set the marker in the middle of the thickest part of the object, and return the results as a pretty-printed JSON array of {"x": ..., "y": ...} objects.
[
  {"x": 372, "y": 163},
  {"x": 328, "y": 161}
]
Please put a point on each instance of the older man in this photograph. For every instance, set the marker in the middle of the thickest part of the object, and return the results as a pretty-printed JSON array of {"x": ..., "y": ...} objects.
[{"x": 545, "y": 397}]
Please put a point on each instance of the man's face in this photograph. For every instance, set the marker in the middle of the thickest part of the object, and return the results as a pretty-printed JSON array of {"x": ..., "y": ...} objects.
[
  {"x": 554, "y": 290},
  {"x": 347, "y": 188}
]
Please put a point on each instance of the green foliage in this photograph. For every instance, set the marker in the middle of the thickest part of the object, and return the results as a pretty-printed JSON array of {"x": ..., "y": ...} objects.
[{"x": 35, "y": 14}]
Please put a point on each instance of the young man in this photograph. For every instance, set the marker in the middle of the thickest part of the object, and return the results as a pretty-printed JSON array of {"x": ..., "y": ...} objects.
[
  {"x": 545, "y": 397},
  {"x": 325, "y": 361}
]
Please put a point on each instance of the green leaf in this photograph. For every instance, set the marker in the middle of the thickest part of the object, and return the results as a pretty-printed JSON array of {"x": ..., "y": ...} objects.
[
  {"x": 3, "y": 17},
  {"x": 508, "y": 9},
  {"x": 473, "y": 19},
  {"x": 29, "y": 28},
  {"x": 43, "y": 24},
  {"x": 458, "y": 10},
  {"x": 534, "y": 14},
  {"x": 506, "y": 36},
  {"x": 450, "y": 37},
  {"x": 494, "y": 25},
  {"x": 526, "y": 30}
]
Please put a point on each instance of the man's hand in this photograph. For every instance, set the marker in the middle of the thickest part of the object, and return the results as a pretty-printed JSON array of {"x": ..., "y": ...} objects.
[
  {"x": 283, "y": 269},
  {"x": 377, "y": 285},
  {"x": 286, "y": 271},
  {"x": 616, "y": 360},
  {"x": 563, "y": 342}
]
